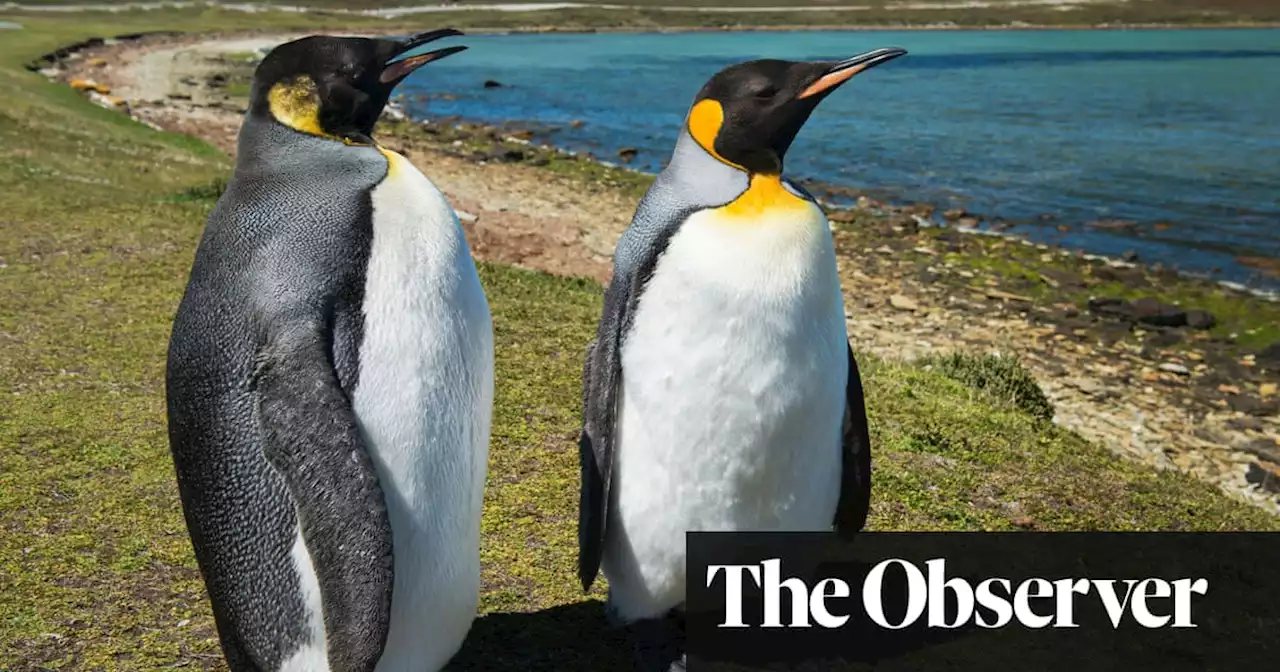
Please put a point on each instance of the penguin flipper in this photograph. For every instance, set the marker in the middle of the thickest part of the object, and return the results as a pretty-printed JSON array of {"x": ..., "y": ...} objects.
[
  {"x": 855, "y": 478},
  {"x": 602, "y": 373},
  {"x": 312, "y": 439}
]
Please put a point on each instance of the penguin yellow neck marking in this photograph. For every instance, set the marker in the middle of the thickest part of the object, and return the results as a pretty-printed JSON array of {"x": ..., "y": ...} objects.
[
  {"x": 393, "y": 162},
  {"x": 296, "y": 104},
  {"x": 765, "y": 195}
]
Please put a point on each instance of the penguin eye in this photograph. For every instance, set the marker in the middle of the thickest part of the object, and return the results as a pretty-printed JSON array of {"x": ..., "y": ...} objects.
[{"x": 767, "y": 92}]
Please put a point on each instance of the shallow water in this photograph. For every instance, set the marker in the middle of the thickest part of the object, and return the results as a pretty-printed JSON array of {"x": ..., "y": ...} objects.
[{"x": 1177, "y": 130}]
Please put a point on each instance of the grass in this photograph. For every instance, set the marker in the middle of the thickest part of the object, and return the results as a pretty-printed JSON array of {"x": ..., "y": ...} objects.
[
  {"x": 101, "y": 216},
  {"x": 645, "y": 16}
]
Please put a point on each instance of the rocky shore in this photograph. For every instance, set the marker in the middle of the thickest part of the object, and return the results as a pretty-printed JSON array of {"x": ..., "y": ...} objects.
[{"x": 1165, "y": 370}]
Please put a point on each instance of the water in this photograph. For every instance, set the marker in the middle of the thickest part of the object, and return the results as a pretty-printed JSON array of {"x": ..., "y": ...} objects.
[{"x": 1176, "y": 130}]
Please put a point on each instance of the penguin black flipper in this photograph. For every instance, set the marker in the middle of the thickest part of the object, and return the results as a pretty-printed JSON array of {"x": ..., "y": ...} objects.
[
  {"x": 602, "y": 374},
  {"x": 855, "y": 479},
  {"x": 311, "y": 437}
]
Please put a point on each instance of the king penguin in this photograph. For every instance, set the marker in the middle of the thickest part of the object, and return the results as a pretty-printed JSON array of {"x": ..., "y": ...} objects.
[
  {"x": 330, "y": 382},
  {"x": 720, "y": 391}
]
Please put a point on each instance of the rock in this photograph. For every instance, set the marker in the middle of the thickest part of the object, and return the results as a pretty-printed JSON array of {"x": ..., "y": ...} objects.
[
  {"x": 627, "y": 154},
  {"x": 954, "y": 214},
  {"x": 1006, "y": 296},
  {"x": 1112, "y": 224},
  {"x": 466, "y": 216},
  {"x": 1109, "y": 307},
  {"x": 1265, "y": 475},
  {"x": 1246, "y": 424},
  {"x": 1200, "y": 319},
  {"x": 1088, "y": 386},
  {"x": 1242, "y": 403},
  {"x": 90, "y": 85},
  {"x": 96, "y": 62},
  {"x": 492, "y": 84},
  {"x": 217, "y": 81},
  {"x": 1267, "y": 265},
  {"x": 521, "y": 134},
  {"x": 109, "y": 102},
  {"x": 1130, "y": 256},
  {"x": 512, "y": 156},
  {"x": 903, "y": 303},
  {"x": 1023, "y": 522},
  {"x": 1266, "y": 449},
  {"x": 1179, "y": 369},
  {"x": 1269, "y": 357},
  {"x": 968, "y": 222},
  {"x": 841, "y": 216},
  {"x": 1151, "y": 311},
  {"x": 1164, "y": 339},
  {"x": 179, "y": 96}
]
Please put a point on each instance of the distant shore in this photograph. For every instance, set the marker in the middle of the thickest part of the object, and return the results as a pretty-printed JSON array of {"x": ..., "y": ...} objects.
[{"x": 784, "y": 28}]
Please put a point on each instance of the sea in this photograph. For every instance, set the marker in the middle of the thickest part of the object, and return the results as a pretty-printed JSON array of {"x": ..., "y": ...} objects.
[{"x": 1160, "y": 143}]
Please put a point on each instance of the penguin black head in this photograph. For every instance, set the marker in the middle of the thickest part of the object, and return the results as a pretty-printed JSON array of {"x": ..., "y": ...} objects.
[
  {"x": 337, "y": 87},
  {"x": 748, "y": 114}
]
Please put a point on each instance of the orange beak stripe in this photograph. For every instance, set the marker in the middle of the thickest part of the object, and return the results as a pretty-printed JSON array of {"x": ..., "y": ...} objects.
[{"x": 829, "y": 80}]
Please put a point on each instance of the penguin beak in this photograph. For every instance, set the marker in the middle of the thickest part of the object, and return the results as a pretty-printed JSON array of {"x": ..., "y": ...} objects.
[
  {"x": 394, "y": 71},
  {"x": 840, "y": 72}
]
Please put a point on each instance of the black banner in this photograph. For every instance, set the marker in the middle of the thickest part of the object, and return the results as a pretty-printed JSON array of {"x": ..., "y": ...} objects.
[{"x": 984, "y": 601}]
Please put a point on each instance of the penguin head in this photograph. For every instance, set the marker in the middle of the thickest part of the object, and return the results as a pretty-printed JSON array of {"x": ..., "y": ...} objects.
[
  {"x": 337, "y": 87},
  {"x": 748, "y": 114}
]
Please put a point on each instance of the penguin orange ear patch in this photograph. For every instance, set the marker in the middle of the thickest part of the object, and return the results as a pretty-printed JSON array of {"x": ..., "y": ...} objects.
[
  {"x": 296, "y": 104},
  {"x": 705, "y": 120}
]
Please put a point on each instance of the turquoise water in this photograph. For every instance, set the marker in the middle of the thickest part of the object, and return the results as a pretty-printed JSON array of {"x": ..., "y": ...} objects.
[{"x": 1178, "y": 131}]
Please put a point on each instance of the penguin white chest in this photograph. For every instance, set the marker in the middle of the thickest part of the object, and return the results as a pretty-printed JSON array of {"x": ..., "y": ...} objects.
[
  {"x": 732, "y": 396},
  {"x": 424, "y": 400}
]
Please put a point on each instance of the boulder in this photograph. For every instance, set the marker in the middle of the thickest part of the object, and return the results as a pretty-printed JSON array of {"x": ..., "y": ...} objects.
[
  {"x": 90, "y": 85},
  {"x": 1151, "y": 311},
  {"x": 1201, "y": 319}
]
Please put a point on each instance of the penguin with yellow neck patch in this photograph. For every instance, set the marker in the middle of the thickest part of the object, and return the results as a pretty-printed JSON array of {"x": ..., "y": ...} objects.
[
  {"x": 720, "y": 392},
  {"x": 330, "y": 382}
]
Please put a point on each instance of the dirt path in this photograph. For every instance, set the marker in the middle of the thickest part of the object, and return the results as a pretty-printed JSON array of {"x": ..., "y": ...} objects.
[{"x": 1146, "y": 404}]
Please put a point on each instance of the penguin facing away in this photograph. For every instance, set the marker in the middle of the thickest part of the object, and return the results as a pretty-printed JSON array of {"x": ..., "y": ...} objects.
[
  {"x": 720, "y": 392},
  {"x": 330, "y": 382}
]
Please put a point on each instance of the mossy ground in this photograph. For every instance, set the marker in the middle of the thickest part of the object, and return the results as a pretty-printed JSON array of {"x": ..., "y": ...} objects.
[{"x": 100, "y": 220}]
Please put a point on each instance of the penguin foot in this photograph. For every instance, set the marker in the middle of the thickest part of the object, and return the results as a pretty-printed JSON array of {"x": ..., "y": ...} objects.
[
  {"x": 611, "y": 615},
  {"x": 658, "y": 644}
]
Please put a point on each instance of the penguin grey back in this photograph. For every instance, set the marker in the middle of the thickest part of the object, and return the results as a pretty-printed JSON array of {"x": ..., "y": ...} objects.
[
  {"x": 286, "y": 243},
  {"x": 285, "y": 511}
]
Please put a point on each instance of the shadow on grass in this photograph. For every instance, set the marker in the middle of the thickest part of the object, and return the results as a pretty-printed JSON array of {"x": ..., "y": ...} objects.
[{"x": 569, "y": 638}]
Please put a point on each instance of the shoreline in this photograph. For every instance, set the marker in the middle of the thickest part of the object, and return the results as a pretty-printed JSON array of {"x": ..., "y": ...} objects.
[
  {"x": 1170, "y": 371},
  {"x": 926, "y": 214},
  {"x": 854, "y": 28}
]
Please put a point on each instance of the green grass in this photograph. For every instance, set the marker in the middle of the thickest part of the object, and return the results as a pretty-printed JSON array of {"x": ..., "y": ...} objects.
[
  {"x": 642, "y": 17},
  {"x": 101, "y": 216}
]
